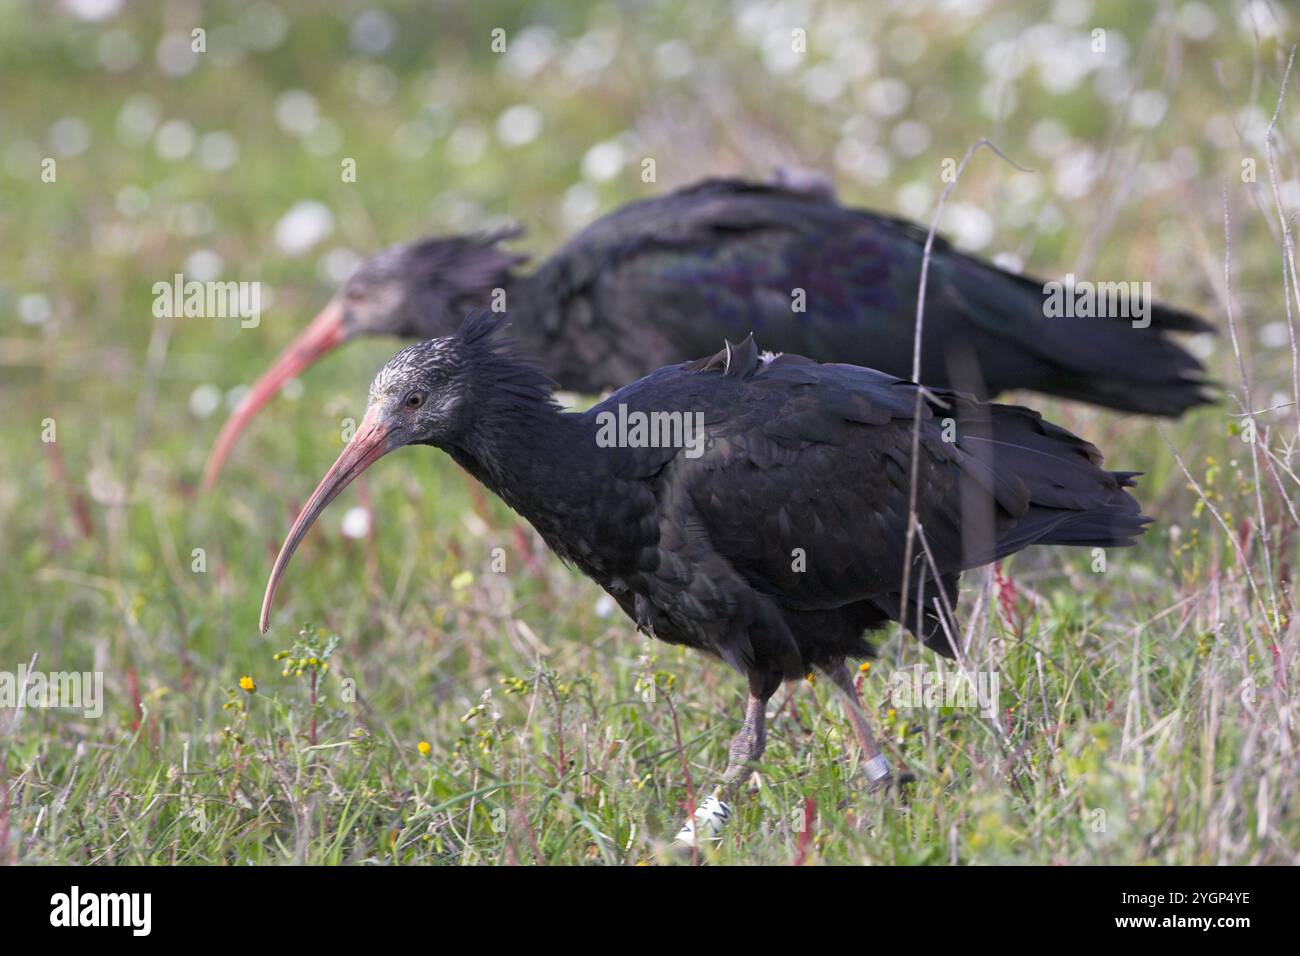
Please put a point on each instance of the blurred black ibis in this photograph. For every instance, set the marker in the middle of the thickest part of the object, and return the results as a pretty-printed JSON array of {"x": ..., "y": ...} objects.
[
  {"x": 754, "y": 507},
  {"x": 664, "y": 279}
]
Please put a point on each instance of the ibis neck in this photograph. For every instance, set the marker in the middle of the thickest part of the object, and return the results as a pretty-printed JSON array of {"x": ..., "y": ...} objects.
[{"x": 527, "y": 451}]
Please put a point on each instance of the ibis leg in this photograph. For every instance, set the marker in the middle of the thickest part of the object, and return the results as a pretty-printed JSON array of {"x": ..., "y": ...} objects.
[
  {"x": 712, "y": 813},
  {"x": 875, "y": 766},
  {"x": 748, "y": 744}
]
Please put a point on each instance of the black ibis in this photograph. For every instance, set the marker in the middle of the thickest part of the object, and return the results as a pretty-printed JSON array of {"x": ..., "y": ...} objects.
[
  {"x": 667, "y": 278},
  {"x": 752, "y": 506}
]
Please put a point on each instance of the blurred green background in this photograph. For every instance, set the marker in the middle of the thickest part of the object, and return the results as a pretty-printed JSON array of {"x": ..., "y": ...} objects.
[{"x": 226, "y": 164}]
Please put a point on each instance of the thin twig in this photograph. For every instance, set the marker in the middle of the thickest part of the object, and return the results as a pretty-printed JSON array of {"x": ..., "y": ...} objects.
[{"x": 910, "y": 542}]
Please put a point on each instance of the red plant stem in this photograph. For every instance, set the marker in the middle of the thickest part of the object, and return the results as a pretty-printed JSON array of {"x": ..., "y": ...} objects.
[
  {"x": 686, "y": 772},
  {"x": 75, "y": 501},
  {"x": 805, "y": 837},
  {"x": 525, "y": 552},
  {"x": 133, "y": 687},
  {"x": 528, "y": 832},
  {"x": 4, "y": 811}
]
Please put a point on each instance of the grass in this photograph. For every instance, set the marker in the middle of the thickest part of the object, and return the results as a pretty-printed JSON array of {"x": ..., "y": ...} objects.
[{"x": 1148, "y": 710}]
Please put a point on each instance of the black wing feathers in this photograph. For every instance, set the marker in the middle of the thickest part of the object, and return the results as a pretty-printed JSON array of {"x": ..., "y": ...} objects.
[{"x": 803, "y": 486}]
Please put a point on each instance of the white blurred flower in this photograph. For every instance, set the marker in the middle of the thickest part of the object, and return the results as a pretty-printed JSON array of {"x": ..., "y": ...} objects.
[
  {"x": 888, "y": 96},
  {"x": 1275, "y": 335},
  {"x": 916, "y": 201},
  {"x": 303, "y": 226},
  {"x": 217, "y": 151},
  {"x": 138, "y": 118},
  {"x": 1010, "y": 262},
  {"x": 855, "y": 56},
  {"x": 910, "y": 138},
  {"x": 1201, "y": 346},
  {"x": 69, "y": 136},
  {"x": 969, "y": 225},
  {"x": 1147, "y": 108},
  {"x": 262, "y": 26},
  {"x": 1004, "y": 59},
  {"x": 603, "y": 161},
  {"x": 93, "y": 9},
  {"x": 778, "y": 51},
  {"x": 528, "y": 52},
  {"x": 204, "y": 400},
  {"x": 580, "y": 205},
  {"x": 823, "y": 83},
  {"x": 356, "y": 522},
  {"x": 296, "y": 112},
  {"x": 869, "y": 164},
  {"x": 175, "y": 55},
  {"x": 174, "y": 140},
  {"x": 519, "y": 125},
  {"x": 1048, "y": 136},
  {"x": 1074, "y": 173},
  {"x": 1023, "y": 189},
  {"x": 590, "y": 54},
  {"x": 34, "y": 308},
  {"x": 1050, "y": 220},
  {"x": 1072, "y": 13},
  {"x": 1261, "y": 18},
  {"x": 203, "y": 265},
  {"x": 466, "y": 143},
  {"x": 372, "y": 31}
]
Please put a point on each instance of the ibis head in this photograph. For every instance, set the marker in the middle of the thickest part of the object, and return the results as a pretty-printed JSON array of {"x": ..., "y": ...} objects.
[
  {"x": 420, "y": 290},
  {"x": 431, "y": 393}
]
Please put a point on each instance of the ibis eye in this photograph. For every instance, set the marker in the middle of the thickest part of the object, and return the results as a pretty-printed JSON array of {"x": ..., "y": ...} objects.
[{"x": 415, "y": 400}]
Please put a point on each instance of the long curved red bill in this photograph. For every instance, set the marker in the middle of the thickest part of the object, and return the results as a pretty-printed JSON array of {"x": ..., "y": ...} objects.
[
  {"x": 323, "y": 334},
  {"x": 368, "y": 445}
]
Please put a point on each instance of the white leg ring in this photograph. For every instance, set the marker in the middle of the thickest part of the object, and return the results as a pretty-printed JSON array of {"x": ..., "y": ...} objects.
[
  {"x": 876, "y": 769},
  {"x": 710, "y": 817}
]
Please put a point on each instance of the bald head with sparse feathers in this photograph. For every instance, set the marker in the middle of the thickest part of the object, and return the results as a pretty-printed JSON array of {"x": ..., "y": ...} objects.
[
  {"x": 437, "y": 389},
  {"x": 427, "y": 285}
]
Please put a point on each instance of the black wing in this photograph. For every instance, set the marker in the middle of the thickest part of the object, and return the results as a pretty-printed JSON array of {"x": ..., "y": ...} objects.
[
  {"x": 803, "y": 486},
  {"x": 672, "y": 276}
]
